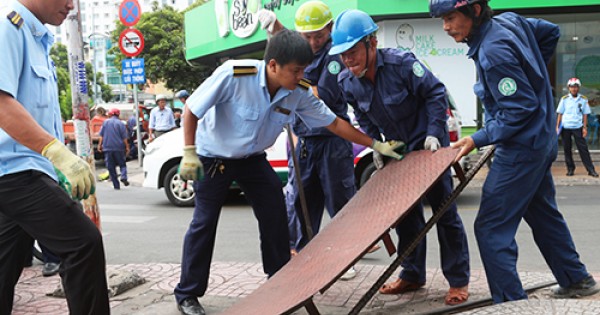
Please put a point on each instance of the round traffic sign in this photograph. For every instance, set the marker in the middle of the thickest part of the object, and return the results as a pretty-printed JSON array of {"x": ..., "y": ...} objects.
[
  {"x": 130, "y": 12},
  {"x": 131, "y": 42}
]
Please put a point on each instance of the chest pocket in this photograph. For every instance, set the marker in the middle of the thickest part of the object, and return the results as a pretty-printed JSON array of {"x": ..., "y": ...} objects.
[
  {"x": 399, "y": 106},
  {"x": 281, "y": 115},
  {"x": 246, "y": 117},
  {"x": 41, "y": 85}
]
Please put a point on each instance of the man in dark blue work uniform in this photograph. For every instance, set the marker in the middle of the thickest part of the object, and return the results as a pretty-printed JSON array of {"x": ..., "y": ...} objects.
[
  {"x": 230, "y": 120},
  {"x": 115, "y": 145},
  {"x": 395, "y": 95},
  {"x": 511, "y": 54},
  {"x": 326, "y": 162},
  {"x": 33, "y": 160}
]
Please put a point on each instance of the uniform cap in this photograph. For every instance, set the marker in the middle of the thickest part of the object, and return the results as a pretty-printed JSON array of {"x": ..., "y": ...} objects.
[{"x": 160, "y": 97}]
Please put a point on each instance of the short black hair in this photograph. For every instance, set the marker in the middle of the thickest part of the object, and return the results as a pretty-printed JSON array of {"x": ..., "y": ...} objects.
[
  {"x": 287, "y": 47},
  {"x": 177, "y": 110}
]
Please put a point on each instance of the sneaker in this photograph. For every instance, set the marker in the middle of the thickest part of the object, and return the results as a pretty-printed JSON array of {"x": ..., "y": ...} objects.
[
  {"x": 349, "y": 274},
  {"x": 584, "y": 287},
  {"x": 125, "y": 182},
  {"x": 50, "y": 269}
]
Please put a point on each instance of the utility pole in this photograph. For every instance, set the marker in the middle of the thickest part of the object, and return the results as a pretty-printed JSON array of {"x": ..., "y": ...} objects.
[{"x": 80, "y": 101}]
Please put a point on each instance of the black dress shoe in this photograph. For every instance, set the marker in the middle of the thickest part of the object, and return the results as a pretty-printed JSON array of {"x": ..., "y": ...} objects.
[
  {"x": 191, "y": 306},
  {"x": 593, "y": 174},
  {"x": 50, "y": 269},
  {"x": 570, "y": 173},
  {"x": 125, "y": 182}
]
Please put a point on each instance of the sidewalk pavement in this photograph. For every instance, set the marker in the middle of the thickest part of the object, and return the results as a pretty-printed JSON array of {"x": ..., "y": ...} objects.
[{"x": 231, "y": 281}]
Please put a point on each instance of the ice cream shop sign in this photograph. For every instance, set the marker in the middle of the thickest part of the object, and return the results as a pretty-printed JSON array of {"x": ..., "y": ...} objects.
[
  {"x": 240, "y": 16},
  {"x": 243, "y": 18}
]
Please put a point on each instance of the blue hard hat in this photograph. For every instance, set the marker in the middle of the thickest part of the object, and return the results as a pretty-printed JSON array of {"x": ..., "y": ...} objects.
[
  {"x": 182, "y": 93},
  {"x": 437, "y": 8},
  {"x": 349, "y": 28}
]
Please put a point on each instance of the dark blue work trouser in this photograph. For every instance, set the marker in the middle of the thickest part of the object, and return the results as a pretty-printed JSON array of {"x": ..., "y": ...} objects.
[
  {"x": 34, "y": 206},
  {"x": 327, "y": 171},
  {"x": 263, "y": 190},
  {"x": 454, "y": 249},
  {"x": 515, "y": 191},
  {"x": 114, "y": 159},
  {"x": 581, "y": 144}
]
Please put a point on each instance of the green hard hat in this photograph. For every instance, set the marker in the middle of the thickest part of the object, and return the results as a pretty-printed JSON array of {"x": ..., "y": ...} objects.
[{"x": 312, "y": 16}]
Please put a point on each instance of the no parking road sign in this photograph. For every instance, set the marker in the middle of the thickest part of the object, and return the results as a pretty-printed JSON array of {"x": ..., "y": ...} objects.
[
  {"x": 129, "y": 12},
  {"x": 131, "y": 42}
]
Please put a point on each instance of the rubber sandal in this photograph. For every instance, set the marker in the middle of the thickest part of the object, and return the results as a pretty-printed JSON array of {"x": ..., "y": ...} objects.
[
  {"x": 400, "y": 286},
  {"x": 457, "y": 296}
]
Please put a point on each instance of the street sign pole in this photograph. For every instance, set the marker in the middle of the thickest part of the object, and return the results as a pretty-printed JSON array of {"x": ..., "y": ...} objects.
[
  {"x": 80, "y": 101},
  {"x": 131, "y": 43},
  {"x": 139, "y": 128}
]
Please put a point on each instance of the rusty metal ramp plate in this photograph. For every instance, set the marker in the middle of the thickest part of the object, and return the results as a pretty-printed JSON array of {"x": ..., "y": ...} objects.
[{"x": 377, "y": 207}]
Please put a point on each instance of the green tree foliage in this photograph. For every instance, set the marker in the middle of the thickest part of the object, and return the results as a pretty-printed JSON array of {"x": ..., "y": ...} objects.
[{"x": 164, "y": 49}]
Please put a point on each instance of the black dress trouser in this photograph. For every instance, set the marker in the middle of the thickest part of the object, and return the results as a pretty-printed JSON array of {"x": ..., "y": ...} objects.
[
  {"x": 33, "y": 206},
  {"x": 581, "y": 144}
]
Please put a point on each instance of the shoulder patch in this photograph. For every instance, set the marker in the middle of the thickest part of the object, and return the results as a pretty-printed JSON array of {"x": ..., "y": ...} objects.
[
  {"x": 15, "y": 19},
  {"x": 239, "y": 71},
  {"x": 305, "y": 84}
]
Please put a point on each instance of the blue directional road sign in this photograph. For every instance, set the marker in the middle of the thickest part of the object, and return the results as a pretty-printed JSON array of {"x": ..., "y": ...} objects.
[{"x": 133, "y": 71}]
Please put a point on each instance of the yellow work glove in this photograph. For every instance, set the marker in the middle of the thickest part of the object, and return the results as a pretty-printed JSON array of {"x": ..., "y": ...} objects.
[
  {"x": 75, "y": 174},
  {"x": 190, "y": 167},
  {"x": 389, "y": 148}
]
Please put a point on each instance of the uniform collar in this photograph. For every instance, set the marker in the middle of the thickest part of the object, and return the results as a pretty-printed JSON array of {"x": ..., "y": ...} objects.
[
  {"x": 38, "y": 29},
  {"x": 262, "y": 73},
  {"x": 475, "y": 42},
  {"x": 574, "y": 97}
]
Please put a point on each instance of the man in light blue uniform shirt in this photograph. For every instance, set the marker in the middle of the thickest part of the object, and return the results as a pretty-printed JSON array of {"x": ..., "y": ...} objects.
[
  {"x": 161, "y": 119},
  {"x": 511, "y": 54},
  {"x": 230, "y": 120},
  {"x": 573, "y": 110},
  {"x": 33, "y": 158}
]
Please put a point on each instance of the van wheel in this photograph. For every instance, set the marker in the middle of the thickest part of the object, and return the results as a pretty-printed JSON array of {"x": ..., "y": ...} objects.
[{"x": 179, "y": 192}]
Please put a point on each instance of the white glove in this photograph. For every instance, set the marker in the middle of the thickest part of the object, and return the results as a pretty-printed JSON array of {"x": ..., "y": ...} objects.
[
  {"x": 431, "y": 143},
  {"x": 378, "y": 160},
  {"x": 190, "y": 167},
  {"x": 387, "y": 148},
  {"x": 267, "y": 19},
  {"x": 74, "y": 173}
]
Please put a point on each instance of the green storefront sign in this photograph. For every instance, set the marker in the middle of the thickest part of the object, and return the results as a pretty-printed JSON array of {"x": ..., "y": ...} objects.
[{"x": 220, "y": 26}]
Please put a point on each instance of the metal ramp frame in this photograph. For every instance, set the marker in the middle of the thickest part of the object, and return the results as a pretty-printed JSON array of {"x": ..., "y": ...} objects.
[{"x": 367, "y": 218}]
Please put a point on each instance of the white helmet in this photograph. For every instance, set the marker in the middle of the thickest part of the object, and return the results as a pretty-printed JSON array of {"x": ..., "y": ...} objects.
[
  {"x": 574, "y": 81},
  {"x": 161, "y": 97}
]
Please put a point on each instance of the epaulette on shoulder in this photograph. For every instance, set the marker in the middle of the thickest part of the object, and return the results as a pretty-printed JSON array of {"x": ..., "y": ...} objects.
[
  {"x": 584, "y": 97},
  {"x": 564, "y": 96},
  {"x": 305, "y": 84},
  {"x": 15, "y": 19},
  {"x": 239, "y": 71}
]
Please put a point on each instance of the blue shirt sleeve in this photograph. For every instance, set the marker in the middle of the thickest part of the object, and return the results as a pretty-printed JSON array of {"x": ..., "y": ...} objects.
[
  {"x": 214, "y": 90},
  {"x": 561, "y": 106},
  {"x": 514, "y": 111},
  {"x": 12, "y": 56},
  {"x": 427, "y": 87},
  {"x": 547, "y": 35}
]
